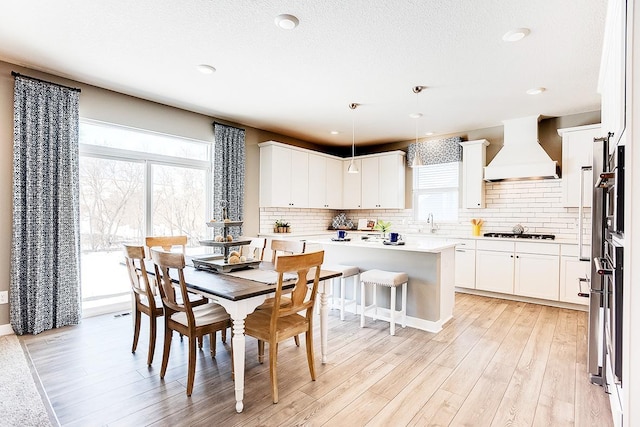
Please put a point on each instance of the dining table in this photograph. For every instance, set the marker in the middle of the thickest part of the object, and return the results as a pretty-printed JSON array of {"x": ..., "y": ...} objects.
[{"x": 240, "y": 292}]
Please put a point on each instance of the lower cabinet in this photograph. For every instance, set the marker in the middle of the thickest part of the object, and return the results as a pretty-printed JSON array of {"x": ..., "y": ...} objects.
[
  {"x": 574, "y": 279},
  {"x": 518, "y": 268},
  {"x": 465, "y": 273}
]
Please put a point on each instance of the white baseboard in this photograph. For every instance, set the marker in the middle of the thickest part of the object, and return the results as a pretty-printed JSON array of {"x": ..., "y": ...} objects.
[{"x": 6, "y": 330}]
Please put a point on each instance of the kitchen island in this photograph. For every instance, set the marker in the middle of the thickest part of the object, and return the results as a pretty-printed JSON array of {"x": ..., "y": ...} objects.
[{"x": 430, "y": 264}]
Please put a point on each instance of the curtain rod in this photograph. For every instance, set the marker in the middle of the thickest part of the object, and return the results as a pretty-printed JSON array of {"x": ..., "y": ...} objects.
[
  {"x": 229, "y": 126},
  {"x": 14, "y": 74}
]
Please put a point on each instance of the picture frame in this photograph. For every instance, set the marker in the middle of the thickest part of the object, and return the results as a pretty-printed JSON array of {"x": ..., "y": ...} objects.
[{"x": 366, "y": 224}]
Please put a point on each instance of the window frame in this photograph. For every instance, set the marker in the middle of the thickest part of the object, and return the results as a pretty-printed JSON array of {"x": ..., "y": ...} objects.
[{"x": 417, "y": 192}]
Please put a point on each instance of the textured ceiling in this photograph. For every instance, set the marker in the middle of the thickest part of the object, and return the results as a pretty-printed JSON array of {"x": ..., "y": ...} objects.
[{"x": 300, "y": 82}]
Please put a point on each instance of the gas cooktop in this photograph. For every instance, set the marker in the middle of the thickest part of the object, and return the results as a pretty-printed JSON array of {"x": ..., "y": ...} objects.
[{"x": 521, "y": 236}]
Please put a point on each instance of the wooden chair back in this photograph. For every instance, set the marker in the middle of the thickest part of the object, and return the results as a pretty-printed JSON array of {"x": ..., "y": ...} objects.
[
  {"x": 302, "y": 297},
  {"x": 255, "y": 249},
  {"x": 279, "y": 247},
  {"x": 166, "y": 242},
  {"x": 165, "y": 262},
  {"x": 140, "y": 284}
]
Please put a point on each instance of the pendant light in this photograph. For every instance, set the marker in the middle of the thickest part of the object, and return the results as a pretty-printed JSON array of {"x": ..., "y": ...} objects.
[
  {"x": 352, "y": 166},
  {"x": 417, "y": 160}
]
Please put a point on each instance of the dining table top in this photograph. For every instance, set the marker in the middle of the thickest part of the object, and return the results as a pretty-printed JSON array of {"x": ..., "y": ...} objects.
[{"x": 230, "y": 287}]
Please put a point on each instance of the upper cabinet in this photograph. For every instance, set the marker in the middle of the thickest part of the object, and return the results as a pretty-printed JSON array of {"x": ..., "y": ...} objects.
[
  {"x": 577, "y": 157},
  {"x": 474, "y": 159},
  {"x": 383, "y": 180},
  {"x": 293, "y": 177},
  {"x": 325, "y": 182},
  {"x": 284, "y": 176},
  {"x": 613, "y": 68}
]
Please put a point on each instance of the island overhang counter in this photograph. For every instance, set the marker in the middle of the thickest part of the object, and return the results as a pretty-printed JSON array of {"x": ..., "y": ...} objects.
[{"x": 430, "y": 264}]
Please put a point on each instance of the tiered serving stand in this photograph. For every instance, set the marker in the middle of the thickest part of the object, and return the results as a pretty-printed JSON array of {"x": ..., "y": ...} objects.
[{"x": 221, "y": 264}]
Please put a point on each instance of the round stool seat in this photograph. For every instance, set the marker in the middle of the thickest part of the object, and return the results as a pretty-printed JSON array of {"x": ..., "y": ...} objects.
[{"x": 384, "y": 278}]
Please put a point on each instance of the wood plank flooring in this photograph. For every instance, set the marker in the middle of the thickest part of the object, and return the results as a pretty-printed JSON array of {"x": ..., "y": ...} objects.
[{"x": 497, "y": 362}]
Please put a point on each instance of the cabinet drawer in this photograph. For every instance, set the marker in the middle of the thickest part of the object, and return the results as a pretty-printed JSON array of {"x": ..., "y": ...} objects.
[
  {"x": 465, "y": 244},
  {"x": 538, "y": 248},
  {"x": 495, "y": 245}
]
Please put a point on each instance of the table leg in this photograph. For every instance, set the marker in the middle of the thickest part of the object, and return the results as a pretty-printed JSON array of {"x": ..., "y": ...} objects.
[
  {"x": 324, "y": 323},
  {"x": 238, "y": 361}
]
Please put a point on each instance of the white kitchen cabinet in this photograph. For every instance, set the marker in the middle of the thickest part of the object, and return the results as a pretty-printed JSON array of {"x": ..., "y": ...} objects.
[
  {"x": 474, "y": 159},
  {"x": 495, "y": 266},
  {"x": 351, "y": 185},
  {"x": 465, "y": 272},
  {"x": 325, "y": 182},
  {"x": 577, "y": 151},
  {"x": 528, "y": 269},
  {"x": 383, "y": 180},
  {"x": 537, "y": 270},
  {"x": 284, "y": 176},
  {"x": 574, "y": 275}
]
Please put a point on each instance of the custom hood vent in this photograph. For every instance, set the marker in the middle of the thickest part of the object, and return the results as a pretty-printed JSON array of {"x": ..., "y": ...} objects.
[{"x": 521, "y": 157}]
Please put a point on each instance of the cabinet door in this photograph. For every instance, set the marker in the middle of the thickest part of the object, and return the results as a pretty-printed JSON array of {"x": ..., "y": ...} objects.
[
  {"x": 280, "y": 180},
  {"x": 352, "y": 185},
  {"x": 334, "y": 178},
  {"x": 574, "y": 279},
  {"x": 537, "y": 276},
  {"x": 577, "y": 151},
  {"x": 370, "y": 188},
  {"x": 473, "y": 162},
  {"x": 391, "y": 181},
  {"x": 465, "y": 273},
  {"x": 317, "y": 181},
  {"x": 299, "y": 179},
  {"x": 494, "y": 271}
]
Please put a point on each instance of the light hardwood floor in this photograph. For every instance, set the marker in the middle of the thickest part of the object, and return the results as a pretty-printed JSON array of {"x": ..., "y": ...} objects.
[{"x": 496, "y": 363}]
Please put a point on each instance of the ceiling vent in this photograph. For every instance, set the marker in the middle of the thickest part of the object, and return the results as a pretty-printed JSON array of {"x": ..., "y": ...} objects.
[{"x": 521, "y": 156}]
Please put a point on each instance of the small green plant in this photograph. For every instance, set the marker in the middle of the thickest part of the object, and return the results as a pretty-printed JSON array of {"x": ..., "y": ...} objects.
[
  {"x": 383, "y": 226},
  {"x": 281, "y": 226}
]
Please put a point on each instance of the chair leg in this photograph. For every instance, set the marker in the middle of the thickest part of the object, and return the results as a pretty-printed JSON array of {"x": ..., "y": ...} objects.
[
  {"x": 363, "y": 304},
  {"x": 212, "y": 344},
  {"x": 192, "y": 365},
  {"x": 136, "y": 330},
  {"x": 200, "y": 341},
  {"x": 392, "y": 309},
  {"x": 260, "y": 351},
  {"x": 273, "y": 363},
  {"x": 152, "y": 339},
  {"x": 297, "y": 340},
  {"x": 342, "y": 297},
  {"x": 167, "y": 347},
  {"x": 310, "y": 357},
  {"x": 223, "y": 335}
]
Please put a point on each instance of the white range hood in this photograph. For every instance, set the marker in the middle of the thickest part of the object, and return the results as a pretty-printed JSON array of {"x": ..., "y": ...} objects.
[{"x": 521, "y": 157}]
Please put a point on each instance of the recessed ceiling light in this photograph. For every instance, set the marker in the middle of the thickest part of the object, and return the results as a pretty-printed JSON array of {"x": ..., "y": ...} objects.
[
  {"x": 206, "y": 69},
  {"x": 515, "y": 35},
  {"x": 415, "y": 115},
  {"x": 429, "y": 133},
  {"x": 286, "y": 21},
  {"x": 334, "y": 132},
  {"x": 536, "y": 91}
]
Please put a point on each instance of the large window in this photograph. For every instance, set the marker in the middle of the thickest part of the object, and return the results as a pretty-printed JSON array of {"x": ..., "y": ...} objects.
[
  {"x": 436, "y": 191},
  {"x": 135, "y": 183}
]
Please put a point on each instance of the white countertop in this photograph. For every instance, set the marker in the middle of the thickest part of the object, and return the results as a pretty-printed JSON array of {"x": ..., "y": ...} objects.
[{"x": 430, "y": 245}]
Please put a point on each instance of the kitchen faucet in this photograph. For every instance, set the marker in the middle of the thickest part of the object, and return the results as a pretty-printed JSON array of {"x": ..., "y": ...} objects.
[{"x": 432, "y": 226}]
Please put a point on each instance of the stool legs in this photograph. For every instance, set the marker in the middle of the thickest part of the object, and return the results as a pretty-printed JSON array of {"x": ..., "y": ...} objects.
[
  {"x": 363, "y": 304},
  {"x": 404, "y": 305},
  {"x": 342, "y": 297},
  {"x": 392, "y": 308}
]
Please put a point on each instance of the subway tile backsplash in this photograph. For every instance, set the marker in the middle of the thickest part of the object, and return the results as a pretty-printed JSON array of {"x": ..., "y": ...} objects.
[{"x": 534, "y": 204}]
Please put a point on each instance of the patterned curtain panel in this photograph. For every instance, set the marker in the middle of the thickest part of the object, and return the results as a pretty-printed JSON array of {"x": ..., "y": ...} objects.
[
  {"x": 45, "y": 267},
  {"x": 228, "y": 172},
  {"x": 435, "y": 152}
]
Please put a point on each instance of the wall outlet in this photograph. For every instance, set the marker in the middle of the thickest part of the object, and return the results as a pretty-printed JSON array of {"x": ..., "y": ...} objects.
[{"x": 4, "y": 297}]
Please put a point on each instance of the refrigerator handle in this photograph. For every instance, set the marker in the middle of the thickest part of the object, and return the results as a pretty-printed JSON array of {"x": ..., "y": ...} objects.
[{"x": 581, "y": 215}]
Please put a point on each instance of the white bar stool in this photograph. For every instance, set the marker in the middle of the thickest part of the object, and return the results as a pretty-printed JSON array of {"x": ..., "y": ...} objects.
[
  {"x": 347, "y": 271},
  {"x": 391, "y": 280}
]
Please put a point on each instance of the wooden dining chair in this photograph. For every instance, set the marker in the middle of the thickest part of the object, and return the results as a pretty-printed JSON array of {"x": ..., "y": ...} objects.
[
  {"x": 285, "y": 321},
  {"x": 181, "y": 316},
  {"x": 145, "y": 295},
  {"x": 255, "y": 249}
]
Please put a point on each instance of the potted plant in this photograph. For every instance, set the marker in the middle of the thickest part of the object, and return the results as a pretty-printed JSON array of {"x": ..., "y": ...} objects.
[
  {"x": 383, "y": 226},
  {"x": 281, "y": 226}
]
